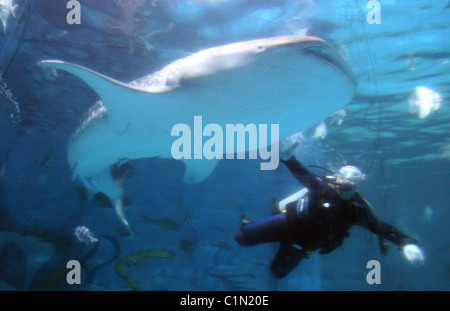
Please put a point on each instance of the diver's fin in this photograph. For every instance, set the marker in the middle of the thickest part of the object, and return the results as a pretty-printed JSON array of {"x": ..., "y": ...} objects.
[
  {"x": 198, "y": 170},
  {"x": 286, "y": 259}
]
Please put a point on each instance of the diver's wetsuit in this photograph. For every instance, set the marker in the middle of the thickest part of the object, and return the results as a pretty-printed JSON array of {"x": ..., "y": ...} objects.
[{"x": 319, "y": 222}]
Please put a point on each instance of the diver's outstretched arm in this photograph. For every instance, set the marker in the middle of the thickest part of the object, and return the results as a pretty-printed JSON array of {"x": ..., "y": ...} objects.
[
  {"x": 369, "y": 220},
  {"x": 302, "y": 174}
]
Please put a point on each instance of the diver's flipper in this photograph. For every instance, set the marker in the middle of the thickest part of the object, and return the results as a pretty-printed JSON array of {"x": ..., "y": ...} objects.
[{"x": 287, "y": 258}]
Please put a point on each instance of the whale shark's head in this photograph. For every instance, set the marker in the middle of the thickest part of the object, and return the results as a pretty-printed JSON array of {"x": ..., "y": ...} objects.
[{"x": 236, "y": 55}]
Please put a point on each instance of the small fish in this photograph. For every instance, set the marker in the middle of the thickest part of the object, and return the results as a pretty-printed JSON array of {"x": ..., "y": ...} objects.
[
  {"x": 186, "y": 220},
  {"x": 222, "y": 245},
  {"x": 164, "y": 223},
  {"x": 84, "y": 235},
  {"x": 187, "y": 246},
  {"x": 183, "y": 218},
  {"x": 48, "y": 160}
]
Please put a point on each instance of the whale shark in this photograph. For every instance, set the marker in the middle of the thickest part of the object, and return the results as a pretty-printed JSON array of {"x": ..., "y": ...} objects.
[{"x": 292, "y": 81}]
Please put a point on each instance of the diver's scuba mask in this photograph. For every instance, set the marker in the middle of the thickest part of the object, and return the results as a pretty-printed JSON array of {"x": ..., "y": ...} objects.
[{"x": 347, "y": 180}]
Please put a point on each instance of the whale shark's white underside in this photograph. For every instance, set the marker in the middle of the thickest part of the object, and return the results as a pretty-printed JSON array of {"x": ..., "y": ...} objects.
[{"x": 293, "y": 81}]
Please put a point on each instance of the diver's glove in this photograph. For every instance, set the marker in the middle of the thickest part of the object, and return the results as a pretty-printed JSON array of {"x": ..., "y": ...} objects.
[
  {"x": 413, "y": 253},
  {"x": 287, "y": 149}
]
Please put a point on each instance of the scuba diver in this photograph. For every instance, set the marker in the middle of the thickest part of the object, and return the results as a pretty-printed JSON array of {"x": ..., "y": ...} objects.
[{"x": 319, "y": 217}]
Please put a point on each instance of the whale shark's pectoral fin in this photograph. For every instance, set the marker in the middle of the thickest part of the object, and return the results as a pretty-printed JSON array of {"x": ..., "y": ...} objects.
[
  {"x": 198, "y": 170},
  {"x": 117, "y": 97}
]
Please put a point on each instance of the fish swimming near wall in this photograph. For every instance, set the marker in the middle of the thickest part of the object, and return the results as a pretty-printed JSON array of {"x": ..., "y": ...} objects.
[
  {"x": 48, "y": 160},
  {"x": 292, "y": 81},
  {"x": 164, "y": 223},
  {"x": 135, "y": 259},
  {"x": 187, "y": 246}
]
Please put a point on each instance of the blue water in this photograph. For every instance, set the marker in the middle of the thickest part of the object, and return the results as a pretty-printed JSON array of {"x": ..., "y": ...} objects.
[{"x": 406, "y": 158}]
